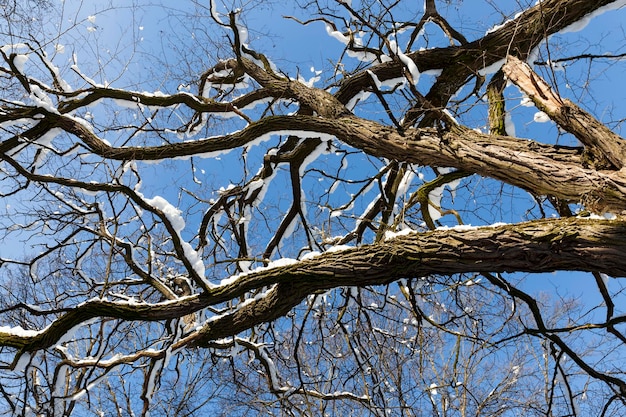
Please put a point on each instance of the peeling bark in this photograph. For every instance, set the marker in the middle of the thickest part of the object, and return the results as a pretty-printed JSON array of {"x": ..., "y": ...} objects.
[{"x": 605, "y": 147}]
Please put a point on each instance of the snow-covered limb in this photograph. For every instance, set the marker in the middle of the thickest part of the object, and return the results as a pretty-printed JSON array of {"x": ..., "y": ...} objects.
[{"x": 366, "y": 265}]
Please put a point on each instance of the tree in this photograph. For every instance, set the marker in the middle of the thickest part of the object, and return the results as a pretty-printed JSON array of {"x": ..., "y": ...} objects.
[{"x": 233, "y": 238}]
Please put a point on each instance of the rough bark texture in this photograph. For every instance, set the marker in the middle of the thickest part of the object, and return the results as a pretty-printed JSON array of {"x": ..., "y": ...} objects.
[
  {"x": 575, "y": 244},
  {"x": 600, "y": 142}
]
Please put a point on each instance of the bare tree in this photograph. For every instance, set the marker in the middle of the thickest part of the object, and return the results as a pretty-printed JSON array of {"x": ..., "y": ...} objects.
[{"x": 233, "y": 238}]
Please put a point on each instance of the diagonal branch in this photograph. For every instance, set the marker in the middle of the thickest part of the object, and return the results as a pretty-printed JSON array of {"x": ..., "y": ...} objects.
[
  {"x": 601, "y": 143},
  {"x": 538, "y": 246},
  {"x": 520, "y": 35}
]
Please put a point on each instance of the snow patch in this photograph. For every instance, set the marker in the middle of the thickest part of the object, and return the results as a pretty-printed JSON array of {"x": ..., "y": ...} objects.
[
  {"x": 19, "y": 331},
  {"x": 214, "y": 14},
  {"x": 526, "y": 101},
  {"x": 173, "y": 215},
  {"x": 509, "y": 126},
  {"x": 392, "y": 235},
  {"x": 541, "y": 117},
  {"x": 19, "y": 61},
  {"x": 582, "y": 23},
  {"x": 493, "y": 68},
  {"x": 434, "y": 198}
]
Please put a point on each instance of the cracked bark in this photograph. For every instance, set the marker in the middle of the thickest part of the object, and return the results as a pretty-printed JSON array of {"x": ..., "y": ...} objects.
[{"x": 539, "y": 246}]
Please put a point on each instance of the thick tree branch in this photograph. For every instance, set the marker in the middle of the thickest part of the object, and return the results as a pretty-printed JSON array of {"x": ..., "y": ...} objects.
[
  {"x": 518, "y": 36},
  {"x": 542, "y": 169},
  {"x": 598, "y": 139},
  {"x": 539, "y": 246}
]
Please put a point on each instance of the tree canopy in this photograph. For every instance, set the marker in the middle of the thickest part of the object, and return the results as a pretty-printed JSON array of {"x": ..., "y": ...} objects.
[{"x": 191, "y": 225}]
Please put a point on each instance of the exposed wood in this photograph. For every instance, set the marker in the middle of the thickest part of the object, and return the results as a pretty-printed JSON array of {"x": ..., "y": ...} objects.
[{"x": 598, "y": 139}]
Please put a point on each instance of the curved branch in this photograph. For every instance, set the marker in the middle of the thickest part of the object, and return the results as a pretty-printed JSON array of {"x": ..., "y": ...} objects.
[
  {"x": 519, "y": 36},
  {"x": 538, "y": 246}
]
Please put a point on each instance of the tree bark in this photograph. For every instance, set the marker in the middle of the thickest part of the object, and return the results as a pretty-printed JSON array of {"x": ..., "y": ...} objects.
[
  {"x": 540, "y": 246},
  {"x": 606, "y": 148}
]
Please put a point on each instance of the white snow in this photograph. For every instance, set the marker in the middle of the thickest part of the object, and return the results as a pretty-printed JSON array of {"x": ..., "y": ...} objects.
[
  {"x": 75, "y": 68},
  {"x": 214, "y": 14},
  {"x": 449, "y": 114},
  {"x": 263, "y": 138},
  {"x": 243, "y": 33},
  {"x": 509, "y": 126},
  {"x": 291, "y": 227},
  {"x": 433, "y": 72},
  {"x": 406, "y": 181},
  {"x": 152, "y": 379},
  {"x": 337, "y": 35},
  {"x": 493, "y": 68},
  {"x": 274, "y": 264},
  {"x": 91, "y": 385},
  {"x": 9, "y": 48},
  {"x": 604, "y": 216},
  {"x": 541, "y": 117},
  {"x": 556, "y": 66},
  {"x": 22, "y": 362},
  {"x": 605, "y": 279},
  {"x": 310, "y": 255},
  {"x": 526, "y": 101},
  {"x": 357, "y": 98},
  {"x": 173, "y": 215},
  {"x": 281, "y": 262},
  {"x": 375, "y": 78},
  {"x": 196, "y": 260},
  {"x": 460, "y": 227},
  {"x": 46, "y": 138},
  {"x": 309, "y": 83},
  {"x": 582, "y": 23},
  {"x": 41, "y": 99},
  {"x": 316, "y": 153},
  {"x": 434, "y": 198},
  {"x": 496, "y": 27},
  {"x": 391, "y": 235},
  {"x": 19, "y": 331},
  {"x": 54, "y": 69},
  {"x": 253, "y": 186},
  {"x": 27, "y": 123},
  {"x": 339, "y": 248},
  {"x": 60, "y": 384},
  {"x": 408, "y": 62},
  {"x": 19, "y": 61}
]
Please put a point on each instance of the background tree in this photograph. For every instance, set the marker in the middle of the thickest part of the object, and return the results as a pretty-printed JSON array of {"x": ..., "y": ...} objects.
[{"x": 218, "y": 233}]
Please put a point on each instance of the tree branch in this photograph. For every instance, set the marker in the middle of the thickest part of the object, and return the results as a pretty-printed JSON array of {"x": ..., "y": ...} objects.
[{"x": 599, "y": 140}]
